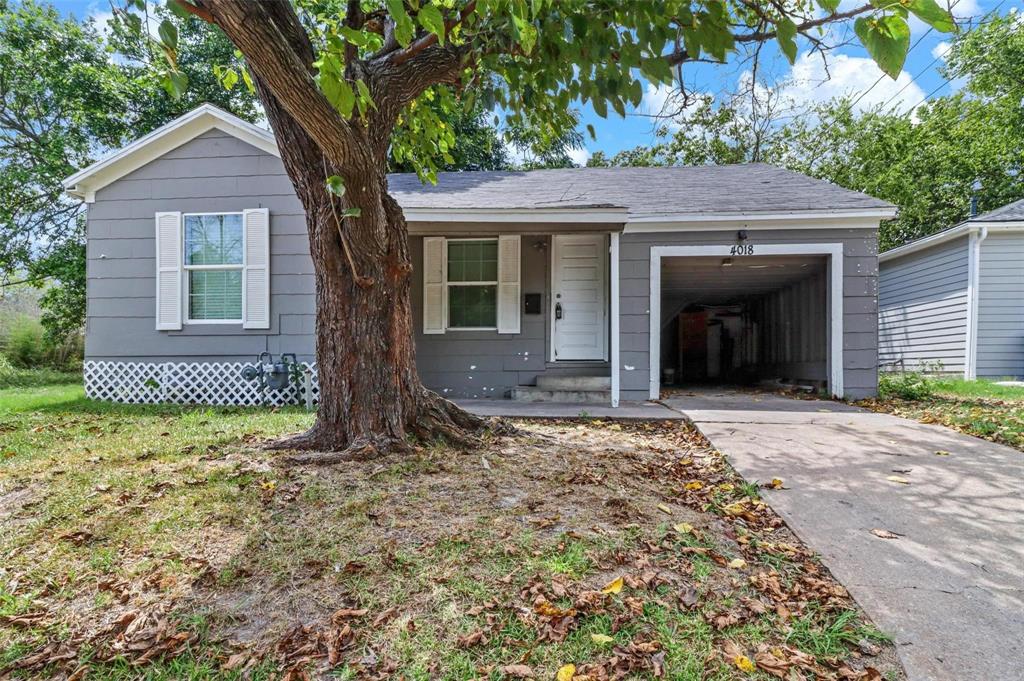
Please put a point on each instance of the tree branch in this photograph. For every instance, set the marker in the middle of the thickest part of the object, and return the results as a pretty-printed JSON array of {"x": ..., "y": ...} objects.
[
  {"x": 279, "y": 52},
  {"x": 679, "y": 56},
  {"x": 193, "y": 10},
  {"x": 431, "y": 38}
]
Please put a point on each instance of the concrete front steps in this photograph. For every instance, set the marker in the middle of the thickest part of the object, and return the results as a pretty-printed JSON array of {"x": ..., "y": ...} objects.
[{"x": 572, "y": 389}]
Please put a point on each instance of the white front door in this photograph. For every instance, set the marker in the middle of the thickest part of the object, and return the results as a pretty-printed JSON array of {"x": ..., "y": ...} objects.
[{"x": 579, "y": 301}]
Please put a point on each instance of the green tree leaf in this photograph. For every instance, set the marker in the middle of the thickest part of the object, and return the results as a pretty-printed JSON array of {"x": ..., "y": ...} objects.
[
  {"x": 430, "y": 18},
  {"x": 404, "y": 28},
  {"x": 887, "y": 40},
  {"x": 336, "y": 185},
  {"x": 168, "y": 33},
  {"x": 929, "y": 12},
  {"x": 785, "y": 33}
]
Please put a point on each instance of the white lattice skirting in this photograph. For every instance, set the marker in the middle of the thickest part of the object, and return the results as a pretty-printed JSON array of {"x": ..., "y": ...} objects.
[{"x": 213, "y": 383}]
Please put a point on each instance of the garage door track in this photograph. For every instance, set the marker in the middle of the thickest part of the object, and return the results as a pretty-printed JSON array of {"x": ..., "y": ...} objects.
[{"x": 950, "y": 586}]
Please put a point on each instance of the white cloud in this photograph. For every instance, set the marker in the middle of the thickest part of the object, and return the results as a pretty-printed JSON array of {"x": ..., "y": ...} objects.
[
  {"x": 580, "y": 156},
  {"x": 663, "y": 101},
  {"x": 809, "y": 83},
  {"x": 940, "y": 50}
]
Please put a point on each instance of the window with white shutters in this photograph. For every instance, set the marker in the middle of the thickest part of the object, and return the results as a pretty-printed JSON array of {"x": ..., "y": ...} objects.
[
  {"x": 471, "y": 284},
  {"x": 213, "y": 268}
]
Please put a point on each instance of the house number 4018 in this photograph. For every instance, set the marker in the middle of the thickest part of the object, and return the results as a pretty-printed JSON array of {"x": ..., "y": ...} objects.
[{"x": 742, "y": 249}]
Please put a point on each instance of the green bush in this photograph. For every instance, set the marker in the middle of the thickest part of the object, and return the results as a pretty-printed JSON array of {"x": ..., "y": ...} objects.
[
  {"x": 25, "y": 347},
  {"x": 7, "y": 370},
  {"x": 905, "y": 385},
  {"x": 13, "y": 377}
]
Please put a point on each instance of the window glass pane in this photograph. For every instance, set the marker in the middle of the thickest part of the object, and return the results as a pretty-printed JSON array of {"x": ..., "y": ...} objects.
[
  {"x": 213, "y": 239},
  {"x": 473, "y": 260},
  {"x": 472, "y": 306},
  {"x": 215, "y": 294}
]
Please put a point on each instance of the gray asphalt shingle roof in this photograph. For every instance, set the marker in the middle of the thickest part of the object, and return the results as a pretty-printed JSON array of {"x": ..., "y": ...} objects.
[
  {"x": 1008, "y": 213},
  {"x": 731, "y": 189}
]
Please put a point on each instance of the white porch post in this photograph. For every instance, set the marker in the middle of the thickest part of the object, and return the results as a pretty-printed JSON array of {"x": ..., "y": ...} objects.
[{"x": 614, "y": 271}]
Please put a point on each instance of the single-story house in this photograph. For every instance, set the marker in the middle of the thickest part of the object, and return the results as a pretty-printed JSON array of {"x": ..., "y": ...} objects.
[
  {"x": 953, "y": 302},
  {"x": 579, "y": 284}
]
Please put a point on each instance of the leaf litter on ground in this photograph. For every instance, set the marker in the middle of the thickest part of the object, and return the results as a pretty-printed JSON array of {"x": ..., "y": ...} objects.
[{"x": 555, "y": 541}]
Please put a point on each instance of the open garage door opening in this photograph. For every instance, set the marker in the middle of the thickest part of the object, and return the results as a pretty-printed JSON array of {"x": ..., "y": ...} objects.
[{"x": 745, "y": 320}]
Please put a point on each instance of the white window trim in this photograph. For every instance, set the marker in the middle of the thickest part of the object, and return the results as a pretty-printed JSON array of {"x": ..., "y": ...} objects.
[
  {"x": 186, "y": 317},
  {"x": 834, "y": 251},
  {"x": 448, "y": 284}
]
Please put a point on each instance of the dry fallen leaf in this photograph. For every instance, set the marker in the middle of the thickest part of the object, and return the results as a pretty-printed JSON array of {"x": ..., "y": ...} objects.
[
  {"x": 737, "y": 563},
  {"x": 683, "y": 528},
  {"x": 518, "y": 671},
  {"x": 613, "y": 587},
  {"x": 942, "y": 452},
  {"x": 897, "y": 479},
  {"x": 693, "y": 485},
  {"x": 885, "y": 534},
  {"x": 601, "y": 639},
  {"x": 566, "y": 672},
  {"x": 776, "y": 483},
  {"x": 664, "y": 509}
]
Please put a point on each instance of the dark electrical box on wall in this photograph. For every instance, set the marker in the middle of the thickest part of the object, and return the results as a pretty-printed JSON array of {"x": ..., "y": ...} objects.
[{"x": 531, "y": 303}]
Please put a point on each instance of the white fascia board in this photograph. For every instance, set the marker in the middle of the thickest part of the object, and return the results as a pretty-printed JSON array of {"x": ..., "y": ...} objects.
[
  {"x": 927, "y": 242},
  {"x": 615, "y": 216},
  {"x": 792, "y": 220},
  {"x": 942, "y": 237},
  {"x": 164, "y": 139}
]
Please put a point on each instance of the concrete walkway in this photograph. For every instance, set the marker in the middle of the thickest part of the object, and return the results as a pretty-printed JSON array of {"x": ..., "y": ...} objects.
[
  {"x": 558, "y": 410},
  {"x": 950, "y": 589}
]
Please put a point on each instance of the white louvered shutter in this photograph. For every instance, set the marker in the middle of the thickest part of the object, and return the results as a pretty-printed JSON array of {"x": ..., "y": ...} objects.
[
  {"x": 256, "y": 273},
  {"x": 434, "y": 278},
  {"x": 168, "y": 271},
  {"x": 508, "y": 284}
]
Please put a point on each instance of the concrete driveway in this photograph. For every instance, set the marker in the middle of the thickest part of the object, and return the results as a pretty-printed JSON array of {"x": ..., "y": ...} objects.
[{"x": 950, "y": 589}]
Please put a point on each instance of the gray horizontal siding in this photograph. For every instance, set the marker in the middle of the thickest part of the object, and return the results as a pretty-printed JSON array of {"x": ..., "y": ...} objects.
[
  {"x": 1001, "y": 306},
  {"x": 486, "y": 364},
  {"x": 860, "y": 312},
  {"x": 214, "y": 172},
  {"x": 922, "y": 302}
]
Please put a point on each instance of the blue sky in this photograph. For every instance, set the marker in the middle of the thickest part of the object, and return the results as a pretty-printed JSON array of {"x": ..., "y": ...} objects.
[{"x": 850, "y": 71}]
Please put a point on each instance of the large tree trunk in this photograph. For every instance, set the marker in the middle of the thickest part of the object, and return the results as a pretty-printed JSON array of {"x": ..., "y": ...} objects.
[{"x": 371, "y": 398}]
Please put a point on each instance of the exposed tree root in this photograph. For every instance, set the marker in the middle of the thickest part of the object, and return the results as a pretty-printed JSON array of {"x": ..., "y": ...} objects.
[{"x": 436, "y": 420}]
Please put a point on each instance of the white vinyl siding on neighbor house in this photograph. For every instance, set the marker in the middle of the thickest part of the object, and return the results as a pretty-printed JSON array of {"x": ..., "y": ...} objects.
[
  {"x": 922, "y": 304},
  {"x": 212, "y": 268},
  {"x": 1000, "y": 335},
  {"x": 471, "y": 284}
]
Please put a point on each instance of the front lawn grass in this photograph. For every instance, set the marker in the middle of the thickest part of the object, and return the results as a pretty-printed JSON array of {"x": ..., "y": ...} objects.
[
  {"x": 159, "y": 542},
  {"x": 979, "y": 408}
]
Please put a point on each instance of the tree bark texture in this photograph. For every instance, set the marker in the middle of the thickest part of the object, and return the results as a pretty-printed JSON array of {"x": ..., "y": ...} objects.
[{"x": 371, "y": 397}]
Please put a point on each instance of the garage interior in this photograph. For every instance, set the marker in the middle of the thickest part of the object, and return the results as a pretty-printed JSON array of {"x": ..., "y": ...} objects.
[{"x": 745, "y": 320}]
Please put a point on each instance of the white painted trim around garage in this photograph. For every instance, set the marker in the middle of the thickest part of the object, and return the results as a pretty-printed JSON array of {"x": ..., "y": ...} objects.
[{"x": 834, "y": 251}]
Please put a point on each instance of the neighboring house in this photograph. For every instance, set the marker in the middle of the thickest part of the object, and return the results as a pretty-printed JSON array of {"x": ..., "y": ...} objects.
[
  {"x": 549, "y": 284},
  {"x": 953, "y": 302}
]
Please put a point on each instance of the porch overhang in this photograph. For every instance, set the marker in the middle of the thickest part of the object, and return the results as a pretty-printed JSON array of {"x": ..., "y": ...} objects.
[{"x": 531, "y": 220}]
